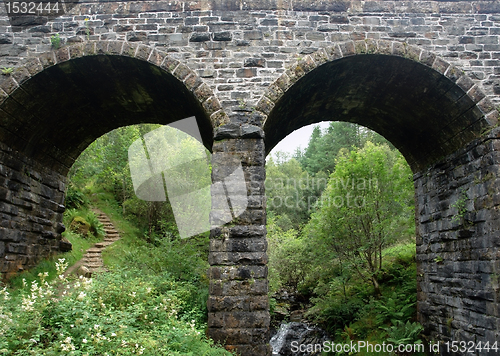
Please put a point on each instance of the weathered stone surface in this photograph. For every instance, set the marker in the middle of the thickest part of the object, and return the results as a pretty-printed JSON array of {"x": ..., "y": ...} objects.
[
  {"x": 65, "y": 245},
  {"x": 423, "y": 74}
]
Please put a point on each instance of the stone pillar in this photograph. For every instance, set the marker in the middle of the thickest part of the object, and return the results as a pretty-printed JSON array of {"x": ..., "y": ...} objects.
[
  {"x": 238, "y": 305},
  {"x": 458, "y": 240}
]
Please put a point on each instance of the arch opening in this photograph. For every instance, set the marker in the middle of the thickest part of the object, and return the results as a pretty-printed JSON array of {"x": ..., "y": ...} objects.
[{"x": 422, "y": 112}]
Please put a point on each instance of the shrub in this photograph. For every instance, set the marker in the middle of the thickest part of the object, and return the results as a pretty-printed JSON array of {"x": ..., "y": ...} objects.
[
  {"x": 120, "y": 313},
  {"x": 84, "y": 222},
  {"x": 75, "y": 199}
]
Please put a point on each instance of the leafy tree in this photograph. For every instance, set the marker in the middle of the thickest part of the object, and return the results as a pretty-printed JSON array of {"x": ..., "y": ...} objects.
[
  {"x": 288, "y": 257},
  {"x": 291, "y": 192},
  {"x": 313, "y": 155},
  {"x": 104, "y": 165},
  {"x": 323, "y": 147},
  {"x": 366, "y": 206}
]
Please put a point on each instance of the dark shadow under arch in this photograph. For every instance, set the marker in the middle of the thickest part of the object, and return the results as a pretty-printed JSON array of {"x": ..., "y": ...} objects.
[
  {"x": 56, "y": 114},
  {"x": 422, "y": 112}
]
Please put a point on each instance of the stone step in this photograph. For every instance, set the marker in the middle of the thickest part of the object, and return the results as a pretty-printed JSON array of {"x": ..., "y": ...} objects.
[
  {"x": 92, "y": 262},
  {"x": 92, "y": 259},
  {"x": 94, "y": 253},
  {"x": 93, "y": 265},
  {"x": 103, "y": 244}
]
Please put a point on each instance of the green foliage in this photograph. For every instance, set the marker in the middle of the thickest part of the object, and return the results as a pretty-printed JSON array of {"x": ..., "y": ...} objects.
[
  {"x": 55, "y": 40},
  {"x": 70, "y": 214},
  {"x": 103, "y": 169},
  {"x": 394, "y": 308},
  {"x": 366, "y": 206},
  {"x": 121, "y": 312},
  {"x": 355, "y": 314},
  {"x": 324, "y": 147},
  {"x": 153, "y": 302},
  {"x": 79, "y": 246},
  {"x": 75, "y": 218},
  {"x": 7, "y": 70},
  {"x": 182, "y": 260},
  {"x": 404, "y": 333},
  {"x": 461, "y": 206},
  {"x": 75, "y": 198},
  {"x": 288, "y": 258},
  {"x": 360, "y": 231},
  {"x": 96, "y": 227},
  {"x": 291, "y": 192},
  {"x": 87, "y": 28}
]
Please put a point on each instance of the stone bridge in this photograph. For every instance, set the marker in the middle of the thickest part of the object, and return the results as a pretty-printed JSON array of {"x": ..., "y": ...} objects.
[{"x": 424, "y": 74}]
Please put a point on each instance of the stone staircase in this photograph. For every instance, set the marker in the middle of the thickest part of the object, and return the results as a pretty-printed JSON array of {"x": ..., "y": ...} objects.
[{"x": 92, "y": 259}]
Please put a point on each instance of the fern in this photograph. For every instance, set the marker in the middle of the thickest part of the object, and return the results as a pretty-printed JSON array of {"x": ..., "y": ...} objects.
[
  {"x": 69, "y": 216},
  {"x": 401, "y": 333},
  {"x": 96, "y": 227}
]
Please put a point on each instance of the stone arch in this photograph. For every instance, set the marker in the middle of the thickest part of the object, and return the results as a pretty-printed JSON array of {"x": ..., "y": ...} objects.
[
  {"x": 32, "y": 91},
  {"x": 55, "y": 105},
  {"x": 452, "y": 146},
  {"x": 474, "y": 112}
]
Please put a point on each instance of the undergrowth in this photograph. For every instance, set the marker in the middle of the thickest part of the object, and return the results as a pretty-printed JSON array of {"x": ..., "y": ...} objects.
[{"x": 152, "y": 302}]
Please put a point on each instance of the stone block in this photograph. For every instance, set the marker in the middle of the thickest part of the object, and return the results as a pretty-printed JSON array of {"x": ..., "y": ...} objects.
[
  {"x": 235, "y": 258},
  {"x": 243, "y": 303},
  {"x": 238, "y": 245},
  {"x": 253, "y": 35},
  {"x": 241, "y": 336},
  {"x": 239, "y": 319},
  {"x": 199, "y": 37},
  {"x": 238, "y": 272},
  {"x": 223, "y": 36}
]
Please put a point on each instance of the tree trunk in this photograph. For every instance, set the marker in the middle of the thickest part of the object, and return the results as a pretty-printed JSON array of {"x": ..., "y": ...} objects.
[{"x": 376, "y": 287}]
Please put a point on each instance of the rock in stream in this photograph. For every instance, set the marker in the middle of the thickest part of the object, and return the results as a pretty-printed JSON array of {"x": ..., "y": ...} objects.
[{"x": 291, "y": 335}]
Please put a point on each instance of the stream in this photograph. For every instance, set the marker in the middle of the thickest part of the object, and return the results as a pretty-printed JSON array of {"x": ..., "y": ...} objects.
[{"x": 289, "y": 335}]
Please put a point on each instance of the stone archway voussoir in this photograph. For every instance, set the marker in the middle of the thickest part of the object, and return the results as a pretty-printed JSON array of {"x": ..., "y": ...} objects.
[{"x": 384, "y": 47}]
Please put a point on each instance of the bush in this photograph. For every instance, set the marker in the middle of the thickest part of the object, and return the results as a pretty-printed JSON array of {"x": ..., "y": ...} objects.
[
  {"x": 75, "y": 199},
  {"x": 84, "y": 222},
  {"x": 401, "y": 333},
  {"x": 114, "y": 313}
]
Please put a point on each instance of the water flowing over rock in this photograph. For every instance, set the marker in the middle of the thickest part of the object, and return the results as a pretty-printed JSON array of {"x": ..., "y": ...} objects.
[{"x": 299, "y": 334}]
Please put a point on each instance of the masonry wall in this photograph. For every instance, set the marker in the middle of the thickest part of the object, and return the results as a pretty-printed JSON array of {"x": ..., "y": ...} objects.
[
  {"x": 31, "y": 210},
  {"x": 239, "y": 49},
  {"x": 458, "y": 223},
  {"x": 239, "y": 53}
]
